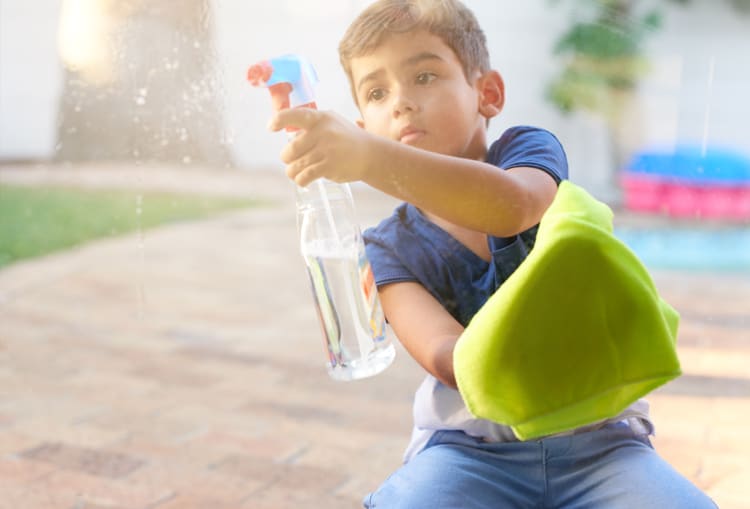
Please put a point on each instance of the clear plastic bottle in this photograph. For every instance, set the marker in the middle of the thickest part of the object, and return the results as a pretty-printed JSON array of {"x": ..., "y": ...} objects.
[
  {"x": 331, "y": 243},
  {"x": 342, "y": 282}
]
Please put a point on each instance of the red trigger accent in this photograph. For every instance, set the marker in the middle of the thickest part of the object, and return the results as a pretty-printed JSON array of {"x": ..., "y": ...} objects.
[
  {"x": 280, "y": 100},
  {"x": 259, "y": 73},
  {"x": 280, "y": 95}
]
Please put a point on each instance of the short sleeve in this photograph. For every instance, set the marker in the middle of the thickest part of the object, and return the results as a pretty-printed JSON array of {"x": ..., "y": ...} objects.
[
  {"x": 532, "y": 147},
  {"x": 386, "y": 267},
  {"x": 380, "y": 246}
]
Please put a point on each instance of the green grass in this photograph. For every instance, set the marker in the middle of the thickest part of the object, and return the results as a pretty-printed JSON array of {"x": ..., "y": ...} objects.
[{"x": 35, "y": 221}]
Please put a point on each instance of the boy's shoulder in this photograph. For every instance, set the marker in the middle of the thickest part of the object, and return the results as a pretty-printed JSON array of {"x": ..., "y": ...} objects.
[
  {"x": 390, "y": 225},
  {"x": 525, "y": 133},
  {"x": 526, "y": 145}
]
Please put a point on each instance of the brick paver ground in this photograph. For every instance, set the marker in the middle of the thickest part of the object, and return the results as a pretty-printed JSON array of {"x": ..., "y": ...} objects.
[{"x": 182, "y": 367}]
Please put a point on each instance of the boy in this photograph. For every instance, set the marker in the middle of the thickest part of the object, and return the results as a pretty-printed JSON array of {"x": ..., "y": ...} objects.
[{"x": 420, "y": 75}]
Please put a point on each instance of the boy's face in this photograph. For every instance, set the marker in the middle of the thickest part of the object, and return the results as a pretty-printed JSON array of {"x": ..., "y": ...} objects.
[{"x": 412, "y": 89}]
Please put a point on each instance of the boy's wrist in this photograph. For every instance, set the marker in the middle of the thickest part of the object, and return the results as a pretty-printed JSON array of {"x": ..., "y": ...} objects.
[{"x": 373, "y": 155}]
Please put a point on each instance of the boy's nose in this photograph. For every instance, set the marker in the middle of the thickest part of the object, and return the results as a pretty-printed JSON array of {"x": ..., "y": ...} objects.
[{"x": 403, "y": 104}]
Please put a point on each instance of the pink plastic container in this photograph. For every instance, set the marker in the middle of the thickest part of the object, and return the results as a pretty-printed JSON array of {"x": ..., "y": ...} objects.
[
  {"x": 650, "y": 193},
  {"x": 643, "y": 193}
]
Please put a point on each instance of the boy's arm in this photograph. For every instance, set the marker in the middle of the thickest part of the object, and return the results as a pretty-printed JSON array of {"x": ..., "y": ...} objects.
[
  {"x": 473, "y": 194},
  {"x": 466, "y": 192},
  {"x": 427, "y": 331}
]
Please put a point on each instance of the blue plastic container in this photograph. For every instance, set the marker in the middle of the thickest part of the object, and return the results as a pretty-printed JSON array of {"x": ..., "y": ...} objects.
[{"x": 688, "y": 164}]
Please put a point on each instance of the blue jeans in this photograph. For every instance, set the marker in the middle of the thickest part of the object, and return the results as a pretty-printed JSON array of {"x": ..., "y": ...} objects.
[{"x": 610, "y": 468}]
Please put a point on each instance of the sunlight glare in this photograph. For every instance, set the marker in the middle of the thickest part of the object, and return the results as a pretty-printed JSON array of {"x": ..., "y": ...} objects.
[{"x": 83, "y": 33}]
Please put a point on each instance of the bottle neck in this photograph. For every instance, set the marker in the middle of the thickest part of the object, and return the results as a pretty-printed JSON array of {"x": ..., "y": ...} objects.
[{"x": 323, "y": 189}]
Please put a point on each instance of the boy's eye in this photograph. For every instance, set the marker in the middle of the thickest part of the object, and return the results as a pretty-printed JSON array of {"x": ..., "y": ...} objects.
[
  {"x": 424, "y": 78},
  {"x": 376, "y": 94}
]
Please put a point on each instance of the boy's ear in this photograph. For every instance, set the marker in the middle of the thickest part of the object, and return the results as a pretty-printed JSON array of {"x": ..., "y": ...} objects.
[
  {"x": 361, "y": 123},
  {"x": 492, "y": 94}
]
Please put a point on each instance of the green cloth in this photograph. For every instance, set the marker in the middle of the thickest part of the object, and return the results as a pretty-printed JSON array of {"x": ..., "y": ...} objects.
[{"x": 574, "y": 336}]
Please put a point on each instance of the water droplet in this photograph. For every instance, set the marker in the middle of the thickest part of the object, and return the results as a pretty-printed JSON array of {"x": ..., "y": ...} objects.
[
  {"x": 140, "y": 101},
  {"x": 142, "y": 251}
]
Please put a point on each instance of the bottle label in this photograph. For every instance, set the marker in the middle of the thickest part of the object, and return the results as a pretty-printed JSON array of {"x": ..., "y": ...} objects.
[{"x": 370, "y": 295}]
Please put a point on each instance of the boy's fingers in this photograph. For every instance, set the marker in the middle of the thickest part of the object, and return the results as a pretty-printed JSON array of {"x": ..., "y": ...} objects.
[
  {"x": 303, "y": 164},
  {"x": 297, "y": 147},
  {"x": 308, "y": 175},
  {"x": 301, "y": 118}
]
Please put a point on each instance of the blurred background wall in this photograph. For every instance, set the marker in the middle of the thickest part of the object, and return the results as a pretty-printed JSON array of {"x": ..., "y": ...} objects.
[{"x": 164, "y": 80}]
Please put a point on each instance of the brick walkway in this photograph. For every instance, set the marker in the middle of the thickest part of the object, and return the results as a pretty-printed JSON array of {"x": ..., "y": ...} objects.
[{"x": 182, "y": 368}]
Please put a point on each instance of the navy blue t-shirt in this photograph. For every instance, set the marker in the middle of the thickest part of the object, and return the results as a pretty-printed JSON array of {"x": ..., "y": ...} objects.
[{"x": 409, "y": 247}]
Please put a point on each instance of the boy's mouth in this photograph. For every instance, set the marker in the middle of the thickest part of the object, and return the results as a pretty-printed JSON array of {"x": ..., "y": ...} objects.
[{"x": 410, "y": 135}]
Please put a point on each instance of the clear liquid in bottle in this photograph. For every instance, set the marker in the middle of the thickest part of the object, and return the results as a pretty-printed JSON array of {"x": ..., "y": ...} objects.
[{"x": 343, "y": 287}]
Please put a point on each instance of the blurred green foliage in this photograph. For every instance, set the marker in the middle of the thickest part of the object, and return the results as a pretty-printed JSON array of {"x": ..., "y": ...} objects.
[
  {"x": 39, "y": 220},
  {"x": 741, "y": 5},
  {"x": 603, "y": 52}
]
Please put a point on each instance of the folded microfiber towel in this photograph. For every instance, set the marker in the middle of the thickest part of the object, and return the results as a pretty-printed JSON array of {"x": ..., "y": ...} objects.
[{"x": 574, "y": 336}]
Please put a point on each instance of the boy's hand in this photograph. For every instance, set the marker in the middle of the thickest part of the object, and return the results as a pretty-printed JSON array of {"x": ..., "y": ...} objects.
[{"x": 327, "y": 146}]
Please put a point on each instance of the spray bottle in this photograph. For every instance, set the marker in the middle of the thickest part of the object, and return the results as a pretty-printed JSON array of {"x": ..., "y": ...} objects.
[{"x": 331, "y": 242}]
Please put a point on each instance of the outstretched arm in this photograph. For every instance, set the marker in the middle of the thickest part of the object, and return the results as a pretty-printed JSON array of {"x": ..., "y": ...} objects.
[{"x": 466, "y": 192}]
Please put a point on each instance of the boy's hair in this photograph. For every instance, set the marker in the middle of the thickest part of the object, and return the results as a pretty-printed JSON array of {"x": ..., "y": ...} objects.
[{"x": 450, "y": 20}]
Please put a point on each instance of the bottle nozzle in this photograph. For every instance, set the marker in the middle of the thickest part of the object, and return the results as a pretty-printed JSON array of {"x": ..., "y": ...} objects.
[{"x": 290, "y": 79}]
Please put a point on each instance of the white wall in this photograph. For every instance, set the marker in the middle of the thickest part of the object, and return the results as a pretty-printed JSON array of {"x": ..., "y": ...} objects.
[
  {"x": 30, "y": 78},
  {"x": 709, "y": 50}
]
